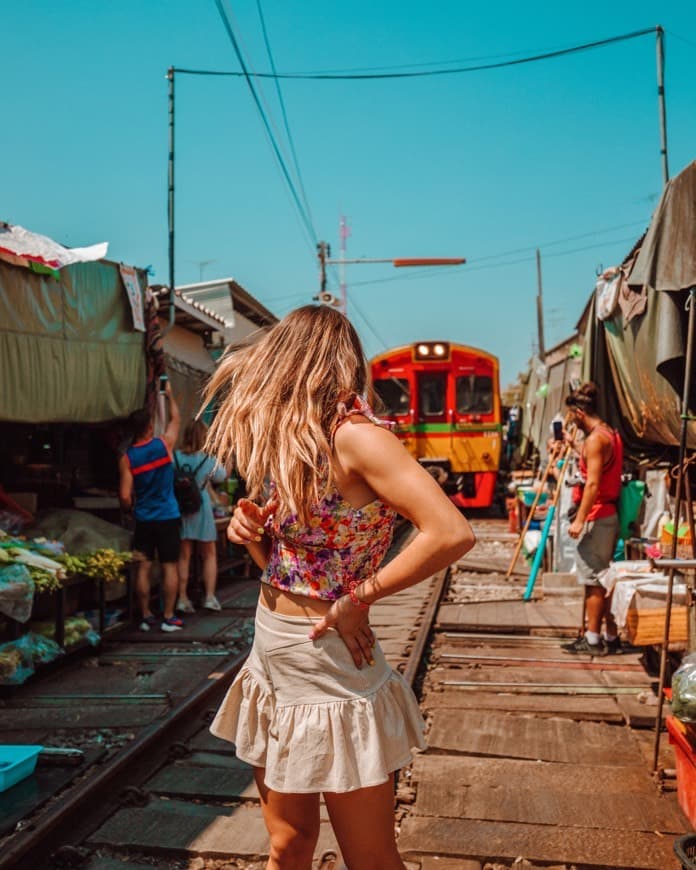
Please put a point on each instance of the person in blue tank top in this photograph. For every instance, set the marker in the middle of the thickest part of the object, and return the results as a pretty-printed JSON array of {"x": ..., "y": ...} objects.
[{"x": 147, "y": 488}]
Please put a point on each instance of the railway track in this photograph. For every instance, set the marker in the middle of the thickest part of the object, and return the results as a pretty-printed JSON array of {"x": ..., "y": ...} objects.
[
  {"x": 506, "y": 774},
  {"x": 65, "y": 832}
]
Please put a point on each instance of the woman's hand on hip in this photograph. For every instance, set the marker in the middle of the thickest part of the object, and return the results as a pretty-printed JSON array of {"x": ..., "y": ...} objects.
[
  {"x": 247, "y": 523},
  {"x": 352, "y": 624}
]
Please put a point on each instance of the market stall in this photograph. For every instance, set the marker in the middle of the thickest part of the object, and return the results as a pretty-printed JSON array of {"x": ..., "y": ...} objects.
[{"x": 77, "y": 357}]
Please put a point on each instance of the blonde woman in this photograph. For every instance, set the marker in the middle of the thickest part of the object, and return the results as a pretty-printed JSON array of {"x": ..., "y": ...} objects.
[
  {"x": 316, "y": 708},
  {"x": 198, "y": 528}
]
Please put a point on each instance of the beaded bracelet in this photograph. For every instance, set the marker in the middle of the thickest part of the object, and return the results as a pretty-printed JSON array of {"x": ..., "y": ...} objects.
[{"x": 352, "y": 594}]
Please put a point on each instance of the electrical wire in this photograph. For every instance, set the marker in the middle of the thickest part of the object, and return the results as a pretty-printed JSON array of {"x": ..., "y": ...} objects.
[
  {"x": 279, "y": 93},
  {"x": 307, "y": 223},
  {"x": 547, "y": 55},
  {"x": 367, "y": 323},
  {"x": 478, "y": 268}
]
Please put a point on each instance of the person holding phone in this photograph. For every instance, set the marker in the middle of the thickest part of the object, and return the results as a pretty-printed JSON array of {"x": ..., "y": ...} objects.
[{"x": 146, "y": 487}]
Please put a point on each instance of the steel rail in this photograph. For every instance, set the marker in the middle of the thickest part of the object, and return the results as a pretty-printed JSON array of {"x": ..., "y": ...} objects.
[
  {"x": 26, "y": 845},
  {"x": 414, "y": 660}
]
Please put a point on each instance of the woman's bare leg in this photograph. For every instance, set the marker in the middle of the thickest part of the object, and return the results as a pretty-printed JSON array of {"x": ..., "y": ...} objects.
[
  {"x": 209, "y": 558},
  {"x": 293, "y": 824},
  {"x": 363, "y": 821},
  {"x": 184, "y": 564}
]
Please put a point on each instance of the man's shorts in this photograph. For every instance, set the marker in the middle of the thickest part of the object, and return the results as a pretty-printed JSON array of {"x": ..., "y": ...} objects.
[
  {"x": 595, "y": 549},
  {"x": 158, "y": 536}
]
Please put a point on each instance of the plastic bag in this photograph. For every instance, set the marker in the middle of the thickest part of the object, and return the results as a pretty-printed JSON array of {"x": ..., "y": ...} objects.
[
  {"x": 19, "y": 658},
  {"x": 684, "y": 690},
  {"x": 16, "y": 591}
]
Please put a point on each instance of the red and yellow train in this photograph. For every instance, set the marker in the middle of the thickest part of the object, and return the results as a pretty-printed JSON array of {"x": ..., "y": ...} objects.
[{"x": 444, "y": 401}]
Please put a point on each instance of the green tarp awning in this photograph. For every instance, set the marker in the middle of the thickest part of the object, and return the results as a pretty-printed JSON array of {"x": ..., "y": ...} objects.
[{"x": 68, "y": 351}]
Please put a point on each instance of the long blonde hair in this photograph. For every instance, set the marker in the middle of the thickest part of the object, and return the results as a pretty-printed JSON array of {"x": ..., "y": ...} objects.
[{"x": 279, "y": 403}]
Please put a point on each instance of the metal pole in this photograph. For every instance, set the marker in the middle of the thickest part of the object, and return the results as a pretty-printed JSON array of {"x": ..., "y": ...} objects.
[
  {"x": 321, "y": 254},
  {"x": 344, "y": 232},
  {"x": 540, "y": 308},
  {"x": 690, "y": 598},
  {"x": 662, "y": 111},
  {"x": 677, "y": 512},
  {"x": 170, "y": 193}
]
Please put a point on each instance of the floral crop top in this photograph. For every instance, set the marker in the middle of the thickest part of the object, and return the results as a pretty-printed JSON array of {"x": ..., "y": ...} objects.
[{"x": 339, "y": 543}]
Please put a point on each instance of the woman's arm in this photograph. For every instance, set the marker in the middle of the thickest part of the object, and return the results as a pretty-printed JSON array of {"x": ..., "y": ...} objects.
[
  {"x": 246, "y": 528},
  {"x": 444, "y": 535}
]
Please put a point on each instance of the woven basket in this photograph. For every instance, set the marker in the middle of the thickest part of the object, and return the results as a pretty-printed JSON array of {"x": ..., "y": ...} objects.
[{"x": 647, "y": 627}]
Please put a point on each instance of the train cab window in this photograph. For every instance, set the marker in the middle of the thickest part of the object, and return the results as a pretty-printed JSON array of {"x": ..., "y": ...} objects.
[
  {"x": 431, "y": 394},
  {"x": 395, "y": 395},
  {"x": 474, "y": 394}
]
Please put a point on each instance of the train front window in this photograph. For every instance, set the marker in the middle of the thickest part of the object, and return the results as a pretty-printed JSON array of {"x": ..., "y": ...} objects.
[
  {"x": 395, "y": 395},
  {"x": 431, "y": 394},
  {"x": 474, "y": 394}
]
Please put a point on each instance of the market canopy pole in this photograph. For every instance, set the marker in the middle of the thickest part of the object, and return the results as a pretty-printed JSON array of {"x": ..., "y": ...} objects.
[{"x": 685, "y": 417}]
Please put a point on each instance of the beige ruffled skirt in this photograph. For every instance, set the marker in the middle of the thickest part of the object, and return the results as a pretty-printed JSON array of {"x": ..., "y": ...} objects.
[{"x": 301, "y": 709}]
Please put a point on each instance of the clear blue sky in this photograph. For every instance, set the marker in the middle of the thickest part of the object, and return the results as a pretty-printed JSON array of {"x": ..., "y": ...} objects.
[{"x": 474, "y": 165}]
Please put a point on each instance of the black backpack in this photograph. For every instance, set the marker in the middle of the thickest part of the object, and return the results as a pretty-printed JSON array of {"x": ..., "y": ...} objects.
[{"x": 186, "y": 491}]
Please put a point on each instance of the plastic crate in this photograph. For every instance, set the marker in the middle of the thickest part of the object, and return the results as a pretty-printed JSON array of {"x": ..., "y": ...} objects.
[
  {"x": 686, "y": 769},
  {"x": 685, "y": 850},
  {"x": 16, "y": 763}
]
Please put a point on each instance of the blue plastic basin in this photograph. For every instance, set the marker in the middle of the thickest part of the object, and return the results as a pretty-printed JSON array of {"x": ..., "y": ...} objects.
[{"x": 16, "y": 764}]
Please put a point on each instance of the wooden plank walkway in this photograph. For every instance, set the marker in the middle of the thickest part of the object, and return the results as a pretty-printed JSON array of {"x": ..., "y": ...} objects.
[
  {"x": 189, "y": 814},
  {"x": 531, "y": 753}
]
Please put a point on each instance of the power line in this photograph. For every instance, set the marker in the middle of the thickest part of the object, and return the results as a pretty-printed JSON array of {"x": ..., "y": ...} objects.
[
  {"x": 367, "y": 323},
  {"x": 284, "y": 113},
  {"x": 464, "y": 270},
  {"x": 547, "y": 55},
  {"x": 682, "y": 38},
  {"x": 245, "y": 73}
]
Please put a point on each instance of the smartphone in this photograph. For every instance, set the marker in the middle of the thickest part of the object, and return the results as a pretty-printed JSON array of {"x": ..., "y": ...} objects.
[
  {"x": 163, "y": 383},
  {"x": 558, "y": 430}
]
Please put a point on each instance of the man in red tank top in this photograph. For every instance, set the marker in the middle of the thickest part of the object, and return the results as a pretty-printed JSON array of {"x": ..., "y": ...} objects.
[{"x": 596, "y": 524}]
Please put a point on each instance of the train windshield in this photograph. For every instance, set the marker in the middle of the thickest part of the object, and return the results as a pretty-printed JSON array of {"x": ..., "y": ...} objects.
[
  {"x": 395, "y": 395},
  {"x": 474, "y": 394},
  {"x": 431, "y": 394}
]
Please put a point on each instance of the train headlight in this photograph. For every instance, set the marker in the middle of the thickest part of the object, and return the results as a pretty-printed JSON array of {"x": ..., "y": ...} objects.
[{"x": 432, "y": 350}]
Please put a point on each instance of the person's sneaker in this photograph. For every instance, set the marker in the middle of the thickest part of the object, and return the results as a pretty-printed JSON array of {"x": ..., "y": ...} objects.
[
  {"x": 148, "y": 623},
  {"x": 614, "y": 647},
  {"x": 211, "y": 603},
  {"x": 581, "y": 646},
  {"x": 183, "y": 605},
  {"x": 172, "y": 623}
]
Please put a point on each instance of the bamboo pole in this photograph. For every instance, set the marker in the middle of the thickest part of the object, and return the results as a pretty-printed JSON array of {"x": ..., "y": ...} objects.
[
  {"x": 539, "y": 555},
  {"x": 530, "y": 515}
]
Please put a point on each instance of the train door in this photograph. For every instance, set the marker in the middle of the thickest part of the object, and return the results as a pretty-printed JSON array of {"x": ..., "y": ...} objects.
[
  {"x": 478, "y": 439},
  {"x": 431, "y": 414}
]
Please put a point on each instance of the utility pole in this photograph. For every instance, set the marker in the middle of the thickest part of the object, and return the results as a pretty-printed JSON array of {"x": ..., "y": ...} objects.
[
  {"x": 170, "y": 194},
  {"x": 344, "y": 232},
  {"x": 540, "y": 308},
  {"x": 324, "y": 257},
  {"x": 662, "y": 111},
  {"x": 323, "y": 253}
]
